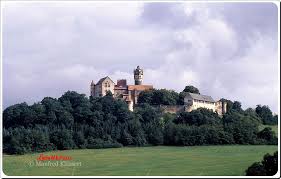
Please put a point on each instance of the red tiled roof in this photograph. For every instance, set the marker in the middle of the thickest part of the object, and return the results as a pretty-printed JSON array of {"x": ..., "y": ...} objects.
[
  {"x": 119, "y": 88},
  {"x": 139, "y": 87}
]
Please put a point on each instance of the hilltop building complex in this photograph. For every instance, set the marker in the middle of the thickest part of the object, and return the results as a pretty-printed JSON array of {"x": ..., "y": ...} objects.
[{"x": 130, "y": 94}]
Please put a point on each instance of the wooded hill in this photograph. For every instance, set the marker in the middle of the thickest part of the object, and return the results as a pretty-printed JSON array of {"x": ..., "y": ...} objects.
[{"x": 76, "y": 121}]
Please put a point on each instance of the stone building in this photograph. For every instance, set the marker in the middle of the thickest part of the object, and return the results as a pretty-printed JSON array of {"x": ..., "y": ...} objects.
[
  {"x": 121, "y": 90},
  {"x": 194, "y": 101},
  {"x": 130, "y": 94},
  {"x": 103, "y": 85}
]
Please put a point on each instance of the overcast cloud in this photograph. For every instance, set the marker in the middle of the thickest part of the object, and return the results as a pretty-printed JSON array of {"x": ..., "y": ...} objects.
[{"x": 227, "y": 50}]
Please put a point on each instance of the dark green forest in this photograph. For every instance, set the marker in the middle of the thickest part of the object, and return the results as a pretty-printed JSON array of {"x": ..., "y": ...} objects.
[{"x": 75, "y": 121}]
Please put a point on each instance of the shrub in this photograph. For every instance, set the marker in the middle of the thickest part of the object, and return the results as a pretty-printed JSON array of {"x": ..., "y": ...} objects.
[
  {"x": 268, "y": 167},
  {"x": 267, "y": 136}
]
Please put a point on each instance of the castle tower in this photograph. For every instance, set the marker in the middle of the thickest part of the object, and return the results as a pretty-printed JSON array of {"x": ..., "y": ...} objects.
[{"x": 138, "y": 76}]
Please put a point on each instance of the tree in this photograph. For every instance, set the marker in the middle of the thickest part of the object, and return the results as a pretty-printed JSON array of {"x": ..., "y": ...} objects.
[
  {"x": 268, "y": 167},
  {"x": 52, "y": 107},
  {"x": 126, "y": 138},
  {"x": 146, "y": 96},
  {"x": 159, "y": 97},
  {"x": 74, "y": 121},
  {"x": 146, "y": 113},
  {"x": 65, "y": 118},
  {"x": 136, "y": 131},
  {"x": 108, "y": 104},
  {"x": 19, "y": 115},
  {"x": 153, "y": 132},
  {"x": 252, "y": 113},
  {"x": 275, "y": 119},
  {"x": 268, "y": 136},
  {"x": 265, "y": 114},
  {"x": 62, "y": 139},
  {"x": 121, "y": 111},
  {"x": 41, "y": 139},
  {"x": 166, "y": 117},
  {"x": 169, "y": 133},
  {"x": 76, "y": 104},
  {"x": 256, "y": 169},
  {"x": 198, "y": 117},
  {"x": 243, "y": 128},
  {"x": 151, "y": 123},
  {"x": 40, "y": 111},
  {"x": 79, "y": 139},
  {"x": 237, "y": 106},
  {"x": 75, "y": 99},
  {"x": 191, "y": 89},
  {"x": 270, "y": 163},
  {"x": 181, "y": 98},
  {"x": 167, "y": 97}
]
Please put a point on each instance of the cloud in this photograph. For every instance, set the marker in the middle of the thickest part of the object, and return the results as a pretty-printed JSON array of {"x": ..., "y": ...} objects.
[
  {"x": 168, "y": 15},
  {"x": 224, "y": 49}
]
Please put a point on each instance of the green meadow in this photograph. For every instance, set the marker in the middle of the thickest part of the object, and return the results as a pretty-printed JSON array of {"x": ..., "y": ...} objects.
[{"x": 227, "y": 160}]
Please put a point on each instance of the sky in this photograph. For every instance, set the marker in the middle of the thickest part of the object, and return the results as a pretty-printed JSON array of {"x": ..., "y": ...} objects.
[{"x": 226, "y": 50}]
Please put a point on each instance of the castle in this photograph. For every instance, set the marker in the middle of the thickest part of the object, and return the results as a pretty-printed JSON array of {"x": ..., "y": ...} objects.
[{"x": 130, "y": 94}]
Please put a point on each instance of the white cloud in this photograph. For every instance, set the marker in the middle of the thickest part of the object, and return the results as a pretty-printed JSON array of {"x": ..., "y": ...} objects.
[{"x": 66, "y": 45}]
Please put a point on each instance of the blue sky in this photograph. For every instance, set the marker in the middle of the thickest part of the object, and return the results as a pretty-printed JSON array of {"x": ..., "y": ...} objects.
[{"x": 227, "y": 50}]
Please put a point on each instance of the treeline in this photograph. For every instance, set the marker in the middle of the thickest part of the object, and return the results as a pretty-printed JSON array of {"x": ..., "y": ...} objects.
[
  {"x": 170, "y": 97},
  {"x": 75, "y": 121},
  {"x": 165, "y": 97}
]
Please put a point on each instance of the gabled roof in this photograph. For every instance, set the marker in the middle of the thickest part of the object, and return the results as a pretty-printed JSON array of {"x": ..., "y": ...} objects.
[
  {"x": 201, "y": 97},
  {"x": 102, "y": 80}
]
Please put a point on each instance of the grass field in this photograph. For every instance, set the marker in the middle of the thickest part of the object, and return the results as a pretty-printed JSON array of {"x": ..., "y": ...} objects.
[{"x": 146, "y": 161}]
